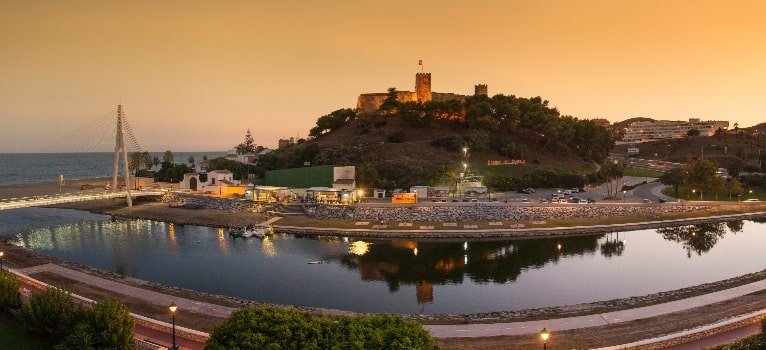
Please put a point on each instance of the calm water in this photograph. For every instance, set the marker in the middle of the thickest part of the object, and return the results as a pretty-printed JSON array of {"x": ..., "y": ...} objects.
[
  {"x": 396, "y": 275},
  {"x": 41, "y": 167}
]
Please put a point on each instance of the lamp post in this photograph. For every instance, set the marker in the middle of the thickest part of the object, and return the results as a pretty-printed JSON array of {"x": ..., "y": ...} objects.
[
  {"x": 544, "y": 335},
  {"x": 2, "y": 255},
  {"x": 173, "y": 307}
]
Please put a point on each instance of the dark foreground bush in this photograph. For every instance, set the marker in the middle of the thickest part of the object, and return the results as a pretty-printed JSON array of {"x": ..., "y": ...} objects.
[
  {"x": 9, "y": 291},
  {"x": 273, "y": 328}
]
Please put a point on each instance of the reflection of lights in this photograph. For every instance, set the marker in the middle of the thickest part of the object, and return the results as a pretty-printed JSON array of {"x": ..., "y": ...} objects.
[
  {"x": 558, "y": 246},
  {"x": 465, "y": 245},
  {"x": 222, "y": 242},
  {"x": 465, "y": 259},
  {"x": 359, "y": 248},
  {"x": 445, "y": 266},
  {"x": 415, "y": 251},
  {"x": 268, "y": 247},
  {"x": 172, "y": 231}
]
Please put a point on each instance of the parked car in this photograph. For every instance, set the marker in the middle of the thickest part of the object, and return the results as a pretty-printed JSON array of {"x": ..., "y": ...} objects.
[
  {"x": 646, "y": 200},
  {"x": 591, "y": 200},
  {"x": 753, "y": 200},
  {"x": 525, "y": 200},
  {"x": 663, "y": 200}
]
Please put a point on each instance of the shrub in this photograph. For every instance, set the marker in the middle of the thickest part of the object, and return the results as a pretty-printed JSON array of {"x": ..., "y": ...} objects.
[
  {"x": 111, "y": 324},
  {"x": 283, "y": 329},
  {"x": 9, "y": 291},
  {"x": 381, "y": 332},
  {"x": 267, "y": 328},
  {"x": 51, "y": 312}
]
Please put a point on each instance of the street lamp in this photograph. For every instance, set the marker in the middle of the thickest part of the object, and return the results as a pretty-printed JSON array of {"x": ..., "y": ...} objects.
[
  {"x": 2, "y": 254},
  {"x": 173, "y": 307},
  {"x": 544, "y": 335}
]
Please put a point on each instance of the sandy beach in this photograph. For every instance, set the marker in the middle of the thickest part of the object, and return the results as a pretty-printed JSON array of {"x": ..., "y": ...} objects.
[{"x": 49, "y": 188}]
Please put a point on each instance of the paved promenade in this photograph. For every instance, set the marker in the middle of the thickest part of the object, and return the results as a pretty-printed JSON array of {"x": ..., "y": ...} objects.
[{"x": 437, "y": 331}]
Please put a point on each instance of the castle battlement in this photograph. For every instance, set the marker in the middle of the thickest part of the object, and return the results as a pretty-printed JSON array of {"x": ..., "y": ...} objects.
[{"x": 370, "y": 103}]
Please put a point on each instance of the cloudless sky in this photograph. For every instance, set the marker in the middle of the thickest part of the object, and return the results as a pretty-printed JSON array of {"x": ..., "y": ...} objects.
[{"x": 195, "y": 75}]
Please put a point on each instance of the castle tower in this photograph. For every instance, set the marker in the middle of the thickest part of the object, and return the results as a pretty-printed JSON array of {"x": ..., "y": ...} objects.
[
  {"x": 423, "y": 86},
  {"x": 480, "y": 89}
]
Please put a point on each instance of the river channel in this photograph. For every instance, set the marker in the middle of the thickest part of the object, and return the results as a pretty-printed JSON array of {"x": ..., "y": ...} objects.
[{"x": 396, "y": 276}]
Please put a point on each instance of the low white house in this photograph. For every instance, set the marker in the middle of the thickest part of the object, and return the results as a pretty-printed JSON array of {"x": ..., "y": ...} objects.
[{"x": 218, "y": 181}]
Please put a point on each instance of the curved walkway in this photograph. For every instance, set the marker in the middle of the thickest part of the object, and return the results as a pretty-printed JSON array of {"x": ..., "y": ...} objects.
[
  {"x": 560, "y": 324},
  {"x": 437, "y": 331}
]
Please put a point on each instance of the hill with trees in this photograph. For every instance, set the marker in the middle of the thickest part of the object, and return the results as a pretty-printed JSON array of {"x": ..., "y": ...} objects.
[{"x": 513, "y": 142}]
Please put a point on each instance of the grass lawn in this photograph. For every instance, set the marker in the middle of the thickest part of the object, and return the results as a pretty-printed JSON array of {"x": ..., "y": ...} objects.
[
  {"x": 13, "y": 336},
  {"x": 638, "y": 172}
]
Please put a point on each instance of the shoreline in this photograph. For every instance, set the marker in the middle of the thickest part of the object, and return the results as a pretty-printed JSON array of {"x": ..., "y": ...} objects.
[{"x": 152, "y": 209}]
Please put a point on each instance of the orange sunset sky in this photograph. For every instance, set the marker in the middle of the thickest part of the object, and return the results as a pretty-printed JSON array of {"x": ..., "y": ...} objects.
[{"x": 195, "y": 75}]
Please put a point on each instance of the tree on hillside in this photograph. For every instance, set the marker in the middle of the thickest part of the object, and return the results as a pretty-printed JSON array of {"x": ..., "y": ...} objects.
[
  {"x": 391, "y": 103},
  {"x": 332, "y": 121},
  {"x": 700, "y": 175},
  {"x": 611, "y": 170},
  {"x": 735, "y": 167},
  {"x": 693, "y": 132},
  {"x": 733, "y": 187},
  {"x": 247, "y": 146},
  {"x": 673, "y": 177}
]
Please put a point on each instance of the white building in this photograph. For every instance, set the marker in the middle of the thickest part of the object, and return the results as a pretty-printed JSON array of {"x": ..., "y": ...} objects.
[{"x": 646, "y": 131}]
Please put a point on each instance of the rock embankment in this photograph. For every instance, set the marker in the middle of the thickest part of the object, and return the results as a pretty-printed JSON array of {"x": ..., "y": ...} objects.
[
  {"x": 191, "y": 201},
  {"x": 484, "y": 212}
]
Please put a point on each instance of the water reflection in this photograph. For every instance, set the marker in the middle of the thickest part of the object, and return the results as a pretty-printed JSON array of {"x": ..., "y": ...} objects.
[
  {"x": 421, "y": 263},
  {"x": 365, "y": 275},
  {"x": 699, "y": 238},
  {"x": 612, "y": 245}
]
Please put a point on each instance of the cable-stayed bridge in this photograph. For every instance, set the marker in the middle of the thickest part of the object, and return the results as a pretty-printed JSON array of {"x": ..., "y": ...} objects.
[
  {"x": 100, "y": 135},
  {"x": 40, "y": 201}
]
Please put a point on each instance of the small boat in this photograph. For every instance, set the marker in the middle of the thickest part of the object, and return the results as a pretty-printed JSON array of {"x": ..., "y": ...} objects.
[
  {"x": 318, "y": 262},
  {"x": 246, "y": 232}
]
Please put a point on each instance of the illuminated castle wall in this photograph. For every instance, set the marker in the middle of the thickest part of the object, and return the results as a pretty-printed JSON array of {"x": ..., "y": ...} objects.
[{"x": 370, "y": 103}]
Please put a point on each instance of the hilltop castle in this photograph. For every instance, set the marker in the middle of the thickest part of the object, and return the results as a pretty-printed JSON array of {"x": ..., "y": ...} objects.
[{"x": 370, "y": 103}]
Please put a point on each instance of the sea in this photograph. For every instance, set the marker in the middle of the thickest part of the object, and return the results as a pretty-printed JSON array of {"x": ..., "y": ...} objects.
[{"x": 19, "y": 168}]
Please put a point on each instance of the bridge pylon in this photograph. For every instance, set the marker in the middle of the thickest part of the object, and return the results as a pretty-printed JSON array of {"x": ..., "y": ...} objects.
[{"x": 119, "y": 147}]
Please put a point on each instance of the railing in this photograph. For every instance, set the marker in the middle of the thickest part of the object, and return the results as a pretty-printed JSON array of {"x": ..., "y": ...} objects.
[{"x": 38, "y": 201}]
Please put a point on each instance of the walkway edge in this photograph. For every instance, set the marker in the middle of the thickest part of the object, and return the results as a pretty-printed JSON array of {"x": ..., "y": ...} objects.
[{"x": 694, "y": 333}]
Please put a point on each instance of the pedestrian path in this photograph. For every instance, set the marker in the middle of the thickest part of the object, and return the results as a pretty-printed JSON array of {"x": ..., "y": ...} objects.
[
  {"x": 437, "y": 331},
  {"x": 121, "y": 288},
  {"x": 560, "y": 324}
]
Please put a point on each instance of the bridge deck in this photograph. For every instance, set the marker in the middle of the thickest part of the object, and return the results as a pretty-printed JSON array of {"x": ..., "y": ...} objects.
[{"x": 26, "y": 202}]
